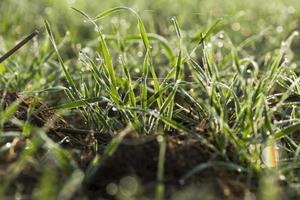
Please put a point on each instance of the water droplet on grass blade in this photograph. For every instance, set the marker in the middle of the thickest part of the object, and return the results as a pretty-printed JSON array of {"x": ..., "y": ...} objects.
[
  {"x": 282, "y": 177},
  {"x": 114, "y": 20},
  {"x": 137, "y": 70},
  {"x": 279, "y": 29},
  {"x": 209, "y": 45},
  {"x": 140, "y": 54},
  {"x": 236, "y": 26},
  {"x": 8, "y": 145},
  {"x": 43, "y": 81},
  {"x": 286, "y": 60},
  {"x": 291, "y": 10},
  {"x": 221, "y": 35},
  {"x": 160, "y": 138},
  {"x": 220, "y": 44}
]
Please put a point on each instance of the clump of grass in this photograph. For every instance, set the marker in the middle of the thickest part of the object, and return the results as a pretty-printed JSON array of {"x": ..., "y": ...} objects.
[
  {"x": 233, "y": 93},
  {"x": 207, "y": 88}
]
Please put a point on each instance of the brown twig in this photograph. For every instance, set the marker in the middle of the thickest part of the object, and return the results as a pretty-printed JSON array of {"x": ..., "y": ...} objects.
[{"x": 19, "y": 45}]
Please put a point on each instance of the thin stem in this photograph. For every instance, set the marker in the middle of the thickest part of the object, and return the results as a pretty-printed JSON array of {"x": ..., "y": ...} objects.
[{"x": 19, "y": 45}]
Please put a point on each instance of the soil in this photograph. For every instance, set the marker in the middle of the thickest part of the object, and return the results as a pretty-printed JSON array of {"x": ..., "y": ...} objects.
[
  {"x": 137, "y": 157},
  {"x": 182, "y": 155}
]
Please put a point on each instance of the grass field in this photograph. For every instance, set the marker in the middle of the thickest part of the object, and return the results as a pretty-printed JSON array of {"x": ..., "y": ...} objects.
[{"x": 161, "y": 99}]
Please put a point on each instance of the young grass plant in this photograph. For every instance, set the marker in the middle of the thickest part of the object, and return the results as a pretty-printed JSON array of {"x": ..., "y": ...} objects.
[
  {"x": 115, "y": 82},
  {"x": 126, "y": 85}
]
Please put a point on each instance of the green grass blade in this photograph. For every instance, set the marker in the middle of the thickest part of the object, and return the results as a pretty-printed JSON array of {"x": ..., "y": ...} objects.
[
  {"x": 61, "y": 62},
  {"x": 286, "y": 131}
]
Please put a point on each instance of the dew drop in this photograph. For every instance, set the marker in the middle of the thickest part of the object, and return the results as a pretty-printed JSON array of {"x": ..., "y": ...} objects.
[
  {"x": 42, "y": 81},
  {"x": 209, "y": 45},
  {"x": 286, "y": 60},
  {"x": 114, "y": 20},
  {"x": 283, "y": 44},
  {"x": 221, "y": 35},
  {"x": 282, "y": 177},
  {"x": 140, "y": 54},
  {"x": 160, "y": 138},
  {"x": 137, "y": 70},
  {"x": 8, "y": 145},
  {"x": 220, "y": 44},
  {"x": 291, "y": 10},
  {"x": 279, "y": 29},
  {"x": 236, "y": 26}
]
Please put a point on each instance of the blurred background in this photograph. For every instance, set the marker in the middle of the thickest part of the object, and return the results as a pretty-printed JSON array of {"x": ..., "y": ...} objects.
[
  {"x": 245, "y": 18},
  {"x": 258, "y": 27}
]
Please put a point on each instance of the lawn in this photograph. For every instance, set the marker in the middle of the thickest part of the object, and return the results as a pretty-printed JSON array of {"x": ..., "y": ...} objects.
[{"x": 162, "y": 99}]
